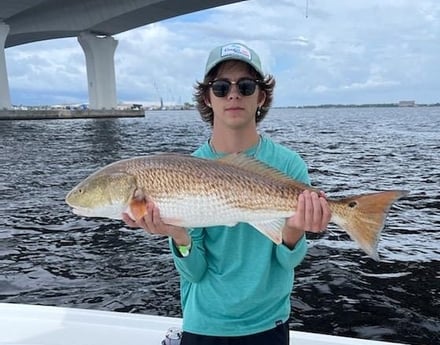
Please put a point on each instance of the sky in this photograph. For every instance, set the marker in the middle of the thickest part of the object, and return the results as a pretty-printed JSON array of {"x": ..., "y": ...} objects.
[{"x": 320, "y": 52}]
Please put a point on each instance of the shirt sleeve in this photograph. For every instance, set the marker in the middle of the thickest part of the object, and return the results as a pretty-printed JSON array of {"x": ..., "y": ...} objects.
[
  {"x": 290, "y": 258},
  {"x": 193, "y": 266}
]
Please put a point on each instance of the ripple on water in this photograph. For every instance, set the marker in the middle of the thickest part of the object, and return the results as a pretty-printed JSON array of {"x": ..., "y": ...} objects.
[{"x": 50, "y": 256}]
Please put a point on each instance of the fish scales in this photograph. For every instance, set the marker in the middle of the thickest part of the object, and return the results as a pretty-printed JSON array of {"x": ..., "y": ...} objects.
[
  {"x": 196, "y": 192},
  {"x": 171, "y": 176}
]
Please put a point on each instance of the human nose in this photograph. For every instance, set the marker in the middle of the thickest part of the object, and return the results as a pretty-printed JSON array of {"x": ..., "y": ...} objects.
[{"x": 233, "y": 91}]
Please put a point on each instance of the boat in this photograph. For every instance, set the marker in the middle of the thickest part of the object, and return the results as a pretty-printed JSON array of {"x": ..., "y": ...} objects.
[{"x": 24, "y": 324}]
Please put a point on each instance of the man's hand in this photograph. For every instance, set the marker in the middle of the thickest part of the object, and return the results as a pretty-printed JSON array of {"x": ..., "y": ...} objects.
[
  {"x": 312, "y": 214},
  {"x": 153, "y": 224}
]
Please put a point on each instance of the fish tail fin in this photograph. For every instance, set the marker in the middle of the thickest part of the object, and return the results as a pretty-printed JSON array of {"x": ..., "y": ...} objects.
[{"x": 363, "y": 217}]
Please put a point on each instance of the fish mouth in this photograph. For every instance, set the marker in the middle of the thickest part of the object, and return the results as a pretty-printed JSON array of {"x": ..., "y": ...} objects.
[
  {"x": 99, "y": 212},
  {"x": 86, "y": 212},
  {"x": 79, "y": 211}
]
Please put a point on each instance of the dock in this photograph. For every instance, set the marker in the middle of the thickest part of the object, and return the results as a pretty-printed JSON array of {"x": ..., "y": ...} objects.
[{"x": 49, "y": 114}]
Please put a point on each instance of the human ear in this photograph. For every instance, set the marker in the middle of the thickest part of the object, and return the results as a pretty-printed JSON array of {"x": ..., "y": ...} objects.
[{"x": 261, "y": 98}]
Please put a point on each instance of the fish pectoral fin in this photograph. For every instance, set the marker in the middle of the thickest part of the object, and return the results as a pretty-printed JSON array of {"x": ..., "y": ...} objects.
[
  {"x": 271, "y": 228},
  {"x": 137, "y": 209}
]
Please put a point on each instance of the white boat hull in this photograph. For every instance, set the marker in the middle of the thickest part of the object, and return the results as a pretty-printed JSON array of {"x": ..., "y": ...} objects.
[{"x": 42, "y": 325}]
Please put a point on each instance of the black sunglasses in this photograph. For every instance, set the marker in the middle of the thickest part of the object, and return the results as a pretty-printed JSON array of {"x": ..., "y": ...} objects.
[{"x": 221, "y": 87}]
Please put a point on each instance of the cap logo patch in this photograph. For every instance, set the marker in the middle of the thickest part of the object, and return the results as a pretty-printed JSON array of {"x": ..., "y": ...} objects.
[{"x": 236, "y": 49}]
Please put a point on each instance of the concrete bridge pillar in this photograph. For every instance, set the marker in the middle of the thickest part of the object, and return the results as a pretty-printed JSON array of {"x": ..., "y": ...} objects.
[
  {"x": 5, "y": 97},
  {"x": 99, "y": 52}
]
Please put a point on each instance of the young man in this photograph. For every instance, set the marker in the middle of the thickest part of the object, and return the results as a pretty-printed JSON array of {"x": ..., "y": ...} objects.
[{"x": 236, "y": 283}]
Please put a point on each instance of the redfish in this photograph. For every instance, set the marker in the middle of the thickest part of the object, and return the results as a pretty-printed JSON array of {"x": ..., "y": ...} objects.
[{"x": 194, "y": 192}]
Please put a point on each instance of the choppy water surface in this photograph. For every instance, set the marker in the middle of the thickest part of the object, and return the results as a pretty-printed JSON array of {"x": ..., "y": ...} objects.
[{"x": 50, "y": 256}]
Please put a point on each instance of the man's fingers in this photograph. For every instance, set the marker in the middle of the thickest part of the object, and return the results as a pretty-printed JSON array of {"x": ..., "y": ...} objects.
[
  {"x": 299, "y": 214},
  {"x": 316, "y": 213},
  {"x": 308, "y": 211},
  {"x": 157, "y": 221},
  {"x": 326, "y": 213},
  {"x": 130, "y": 222}
]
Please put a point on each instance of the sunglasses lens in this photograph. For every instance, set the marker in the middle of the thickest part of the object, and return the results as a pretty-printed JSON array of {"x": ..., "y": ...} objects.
[
  {"x": 246, "y": 86},
  {"x": 221, "y": 88}
]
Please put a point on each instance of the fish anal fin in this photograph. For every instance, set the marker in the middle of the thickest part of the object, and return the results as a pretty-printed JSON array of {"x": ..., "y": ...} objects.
[{"x": 271, "y": 228}]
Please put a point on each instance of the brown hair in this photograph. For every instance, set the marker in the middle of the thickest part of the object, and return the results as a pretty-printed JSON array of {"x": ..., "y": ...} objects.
[{"x": 201, "y": 90}]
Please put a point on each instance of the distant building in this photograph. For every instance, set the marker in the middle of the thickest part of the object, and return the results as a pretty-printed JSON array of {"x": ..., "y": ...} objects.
[{"x": 407, "y": 103}]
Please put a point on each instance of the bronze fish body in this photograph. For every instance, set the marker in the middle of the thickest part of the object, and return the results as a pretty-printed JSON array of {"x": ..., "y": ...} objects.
[{"x": 196, "y": 192}]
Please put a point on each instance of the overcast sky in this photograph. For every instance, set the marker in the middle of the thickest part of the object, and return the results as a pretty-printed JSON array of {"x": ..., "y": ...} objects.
[{"x": 337, "y": 51}]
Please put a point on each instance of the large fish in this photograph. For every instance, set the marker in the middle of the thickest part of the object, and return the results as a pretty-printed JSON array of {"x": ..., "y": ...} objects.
[{"x": 195, "y": 192}]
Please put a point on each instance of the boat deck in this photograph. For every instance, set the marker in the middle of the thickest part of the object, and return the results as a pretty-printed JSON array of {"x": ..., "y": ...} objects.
[{"x": 43, "y": 325}]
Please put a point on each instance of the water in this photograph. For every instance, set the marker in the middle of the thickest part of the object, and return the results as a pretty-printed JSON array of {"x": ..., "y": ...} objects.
[{"x": 50, "y": 256}]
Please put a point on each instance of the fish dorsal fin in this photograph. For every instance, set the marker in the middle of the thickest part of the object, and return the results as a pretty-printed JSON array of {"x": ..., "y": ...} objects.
[
  {"x": 257, "y": 167},
  {"x": 271, "y": 228}
]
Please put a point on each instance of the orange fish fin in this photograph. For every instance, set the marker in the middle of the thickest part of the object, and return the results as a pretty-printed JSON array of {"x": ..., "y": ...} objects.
[
  {"x": 137, "y": 208},
  {"x": 363, "y": 217},
  {"x": 271, "y": 228}
]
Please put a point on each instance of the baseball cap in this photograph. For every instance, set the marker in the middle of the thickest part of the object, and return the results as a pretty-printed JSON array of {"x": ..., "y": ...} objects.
[{"x": 233, "y": 51}]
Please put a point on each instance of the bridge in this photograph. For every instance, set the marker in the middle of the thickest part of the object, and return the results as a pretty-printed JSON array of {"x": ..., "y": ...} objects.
[{"x": 93, "y": 22}]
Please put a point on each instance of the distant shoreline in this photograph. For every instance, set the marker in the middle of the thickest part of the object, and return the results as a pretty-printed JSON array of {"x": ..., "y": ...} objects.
[
  {"x": 326, "y": 106},
  {"x": 46, "y": 114},
  {"x": 382, "y": 105}
]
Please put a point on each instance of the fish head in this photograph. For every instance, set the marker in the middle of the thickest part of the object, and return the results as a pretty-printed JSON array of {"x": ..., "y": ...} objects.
[{"x": 102, "y": 195}]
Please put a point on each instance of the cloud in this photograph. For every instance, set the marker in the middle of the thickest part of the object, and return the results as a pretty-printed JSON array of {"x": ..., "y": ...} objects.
[
  {"x": 53, "y": 70},
  {"x": 342, "y": 52}
]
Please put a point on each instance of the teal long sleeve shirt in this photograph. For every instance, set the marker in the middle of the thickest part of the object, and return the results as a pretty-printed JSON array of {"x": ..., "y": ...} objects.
[{"x": 235, "y": 281}]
